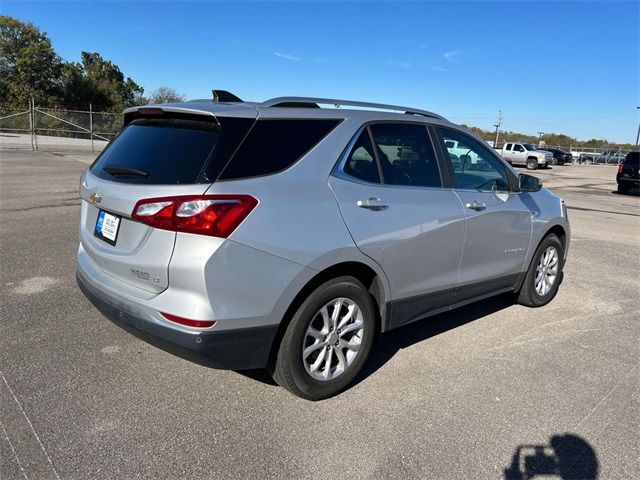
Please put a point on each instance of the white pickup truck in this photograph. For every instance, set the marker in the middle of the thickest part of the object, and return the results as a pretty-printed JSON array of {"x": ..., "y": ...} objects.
[{"x": 518, "y": 153}]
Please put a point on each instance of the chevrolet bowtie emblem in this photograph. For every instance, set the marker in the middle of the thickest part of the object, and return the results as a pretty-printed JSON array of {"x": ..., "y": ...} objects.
[{"x": 95, "y": 198}]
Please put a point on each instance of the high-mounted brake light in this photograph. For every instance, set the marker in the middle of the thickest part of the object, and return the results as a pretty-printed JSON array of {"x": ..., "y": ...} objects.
[
  {"x": 215, "y": 215},
  {"x": 188, "y": 322},
  {"x": 150, "y": 111}
]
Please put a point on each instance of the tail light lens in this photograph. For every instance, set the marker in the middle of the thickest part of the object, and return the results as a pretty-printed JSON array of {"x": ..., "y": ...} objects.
[
  {"x": 621, "y": 167},
  {"x": 215, "y": 215}
]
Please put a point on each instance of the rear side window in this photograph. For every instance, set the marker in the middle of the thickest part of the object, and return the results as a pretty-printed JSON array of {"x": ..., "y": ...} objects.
[
  {"x": 361, "y": 162},
  {"x": 274, "y": 145},
  {"x": 158, "y": 151},
  {"x": 406, "y": 155}
]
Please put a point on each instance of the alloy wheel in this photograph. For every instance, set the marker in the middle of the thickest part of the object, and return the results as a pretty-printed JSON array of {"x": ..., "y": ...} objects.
[
  {"x": 333, "y": 339},
  {"x": 546, "y": 271}
]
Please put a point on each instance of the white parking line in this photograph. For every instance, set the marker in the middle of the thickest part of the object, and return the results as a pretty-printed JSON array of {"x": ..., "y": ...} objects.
[{"x": 30, "y": 425}]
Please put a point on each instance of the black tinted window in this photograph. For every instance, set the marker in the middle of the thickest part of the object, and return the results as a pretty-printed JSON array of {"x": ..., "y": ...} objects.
[
  {"x": 274, "y": 145},
  {"x": 633, "y": 159},
  {"x": 158, "y": 151},
  {"x": 406, "y": 155},
  {"x": 361, "y": 162}
]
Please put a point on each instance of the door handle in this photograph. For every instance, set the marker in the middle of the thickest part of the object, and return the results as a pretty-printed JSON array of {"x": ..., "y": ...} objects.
[
  {"x": 373, "y": 203},
  {"x": 475, "y": 205}
]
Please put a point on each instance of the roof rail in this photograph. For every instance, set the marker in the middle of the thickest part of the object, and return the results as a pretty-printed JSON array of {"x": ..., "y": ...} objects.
[{"x": 311, "y": 101}]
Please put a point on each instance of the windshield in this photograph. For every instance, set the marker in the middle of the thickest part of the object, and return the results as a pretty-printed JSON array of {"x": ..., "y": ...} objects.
[{"x": 528, "y": 146}]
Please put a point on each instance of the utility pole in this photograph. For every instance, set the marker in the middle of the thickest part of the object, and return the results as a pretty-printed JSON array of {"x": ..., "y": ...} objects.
[{"x": 497, "y": 125}]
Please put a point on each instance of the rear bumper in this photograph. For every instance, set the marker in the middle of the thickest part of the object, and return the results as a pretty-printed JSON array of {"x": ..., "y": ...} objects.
[
  {"x": 628, "y": 180},
  {"x": 234, "y": 349}
]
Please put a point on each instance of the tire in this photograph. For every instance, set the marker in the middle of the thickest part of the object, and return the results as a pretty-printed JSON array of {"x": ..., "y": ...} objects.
[
  {"x": 529, "y": 294},
  {"x": 295, "y": 372},
  {"x": 623, "y": 189},
  {"x": 532, "y": 164}
]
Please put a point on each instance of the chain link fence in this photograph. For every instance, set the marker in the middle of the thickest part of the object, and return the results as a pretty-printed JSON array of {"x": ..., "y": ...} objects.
[
  {"x": 57, "y": 130},
  {"x": 609, "y": 155}
]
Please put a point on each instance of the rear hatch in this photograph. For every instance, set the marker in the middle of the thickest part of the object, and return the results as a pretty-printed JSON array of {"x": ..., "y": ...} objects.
[{"x": 158, "y": 153}]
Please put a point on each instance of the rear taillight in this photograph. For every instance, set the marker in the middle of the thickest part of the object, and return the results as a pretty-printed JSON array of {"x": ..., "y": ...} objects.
[
  {"x": 215, "y": 215},
  {"x": 188, "y": 322},
  {"x": 620, "y": 167}
]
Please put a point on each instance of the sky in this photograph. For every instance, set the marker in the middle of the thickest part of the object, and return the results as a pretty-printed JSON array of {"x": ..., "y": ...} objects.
[{"x": 563, "y": 67}]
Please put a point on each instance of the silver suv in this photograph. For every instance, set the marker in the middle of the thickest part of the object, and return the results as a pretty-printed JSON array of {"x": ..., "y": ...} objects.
[{"x": 286, "y": 236}]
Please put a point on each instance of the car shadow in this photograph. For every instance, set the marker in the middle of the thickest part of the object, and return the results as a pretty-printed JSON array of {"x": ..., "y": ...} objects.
[
  {"x": 632, "y": 192},
  {"x": 566, "y": 456},
  {"x": 392, "y": 342}
]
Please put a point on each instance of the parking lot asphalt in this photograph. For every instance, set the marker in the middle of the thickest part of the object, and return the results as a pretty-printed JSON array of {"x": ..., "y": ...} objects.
[{"x": 486, "y": 391}]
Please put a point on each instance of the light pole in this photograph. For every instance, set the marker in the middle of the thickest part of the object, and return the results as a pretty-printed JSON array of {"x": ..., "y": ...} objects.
[{"x": 540, "y": 137}]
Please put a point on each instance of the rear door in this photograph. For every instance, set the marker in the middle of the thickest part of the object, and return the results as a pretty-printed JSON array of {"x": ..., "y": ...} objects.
[
  {"x": 389, "y": 190},
  {"x": 498, "y": 221},
  {"x": 157, "y": 156}
]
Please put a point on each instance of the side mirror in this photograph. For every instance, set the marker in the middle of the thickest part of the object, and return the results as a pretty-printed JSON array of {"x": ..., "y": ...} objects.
[{"x": 529, "y": 183}]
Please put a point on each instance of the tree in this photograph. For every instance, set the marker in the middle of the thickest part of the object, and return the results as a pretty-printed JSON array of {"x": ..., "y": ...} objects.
[
  {"x": 29, "y": 66},
  {"x": 166, "y": 95},
  {"x": 99, "y": 82}
]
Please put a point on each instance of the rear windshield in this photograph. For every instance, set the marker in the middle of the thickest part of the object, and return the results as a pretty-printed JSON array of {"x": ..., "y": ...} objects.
[
  {"x": 159, "y": 151},
  {"x": 633, "y": 159}
]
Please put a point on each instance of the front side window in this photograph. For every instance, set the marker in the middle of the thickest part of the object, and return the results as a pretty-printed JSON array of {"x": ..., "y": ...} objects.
[
  {"x": 406, "y": 154},
  {"x": 361, "y": 162},
  {"x": 475, "y": 168},
  {"x": 518, "y": 148}
]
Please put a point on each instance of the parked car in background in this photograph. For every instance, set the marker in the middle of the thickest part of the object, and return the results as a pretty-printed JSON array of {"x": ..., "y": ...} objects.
[
  {"x": 560, "y": 157},
  {"x": 611, "y": 156},
  {"x": 628, "y": 176},
  {"x": 287, "y": 236},
  {"x": 525, "y": 154}
]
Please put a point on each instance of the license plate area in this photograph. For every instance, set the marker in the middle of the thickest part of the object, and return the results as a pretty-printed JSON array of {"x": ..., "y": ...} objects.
[{"x": 107, "y": 227}]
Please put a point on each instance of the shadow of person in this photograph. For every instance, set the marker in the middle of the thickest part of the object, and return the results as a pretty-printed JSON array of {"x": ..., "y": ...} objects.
[{"x": 568, "y": 457}]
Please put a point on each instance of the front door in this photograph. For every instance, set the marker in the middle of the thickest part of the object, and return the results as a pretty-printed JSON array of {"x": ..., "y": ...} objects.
[{"x": 498, "y": 223}]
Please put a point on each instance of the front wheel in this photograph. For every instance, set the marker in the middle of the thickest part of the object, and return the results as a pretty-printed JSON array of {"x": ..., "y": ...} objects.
[
  {"x": 544, "y": 274},
  {"x": 532, "y": 164},
  {"x": 328, "y": 340}
]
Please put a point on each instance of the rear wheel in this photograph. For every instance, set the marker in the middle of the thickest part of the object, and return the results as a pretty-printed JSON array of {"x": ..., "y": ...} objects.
[
  {"x": 622, "y": 188},
  {"x": 544, "y": 274},
  {"x": 328, "y": 340},
  {"x": 532, "y": 163}
]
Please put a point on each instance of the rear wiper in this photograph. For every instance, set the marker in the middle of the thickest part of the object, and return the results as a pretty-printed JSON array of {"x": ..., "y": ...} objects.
[{"x": 124, "y": 171}]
